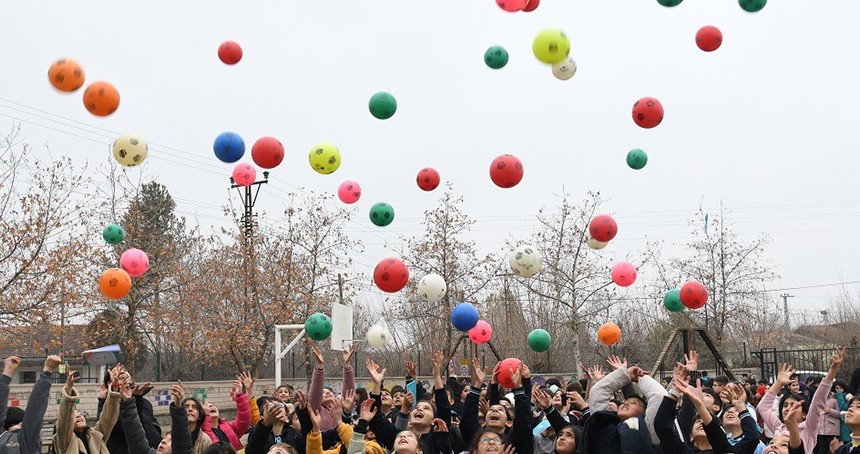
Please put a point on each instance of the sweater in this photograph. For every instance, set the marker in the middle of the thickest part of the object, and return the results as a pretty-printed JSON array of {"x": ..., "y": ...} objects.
[
  {"x": 66, "y": 442},
  {"x": 808, "y": 428},
  {"x": 29, "y": 437},
  {"x": 234, "y": 429},
  {"x": 315, "y": 395}
]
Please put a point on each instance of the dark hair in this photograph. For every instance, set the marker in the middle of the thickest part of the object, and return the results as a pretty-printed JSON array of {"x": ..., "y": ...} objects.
[
  {"x": 361, "y": 394},
  {"x": 639, "y": 398},
  {"x": 797, "y": 398},
  {"x": 850, "y": 402},
  {"x": 553, "y": 381},
  {"x": 432, "y": 405},
  {"x": 289, "y": 388},
  {"x": 575, "y": 386},
  {"x": 397, "y": 389},
  {"x": 261, "y": 403},
  {"x": 721, "y": 380},
  {"x": 839, "y": 383},
  {"x": 473, "y": 444},
  {"x": 14, "y": 415},
  {"x": 712, "y": 393},
  {"x": 220, "y": 448},
  {"x": 577, "y": 435},
  {"x": 200, "y": 414}
]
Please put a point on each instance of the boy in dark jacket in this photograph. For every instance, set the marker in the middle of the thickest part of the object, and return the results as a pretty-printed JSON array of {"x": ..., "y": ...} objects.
[
  {"x": 178, "y": 441},
  {"x": 24, "y": 428}
]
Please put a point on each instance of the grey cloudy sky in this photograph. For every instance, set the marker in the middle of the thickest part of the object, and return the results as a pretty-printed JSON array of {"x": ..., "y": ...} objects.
[{"x": 762, "y": 124}]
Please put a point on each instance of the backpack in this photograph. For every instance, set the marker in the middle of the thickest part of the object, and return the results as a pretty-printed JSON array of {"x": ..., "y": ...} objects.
[{"x": 9, "y": 443}]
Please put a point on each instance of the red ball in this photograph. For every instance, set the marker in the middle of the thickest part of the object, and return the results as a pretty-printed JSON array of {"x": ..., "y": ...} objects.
[
  {"x": 531, "y": 6},
  {"x": 230, "y": 52},
  {"x": 506, "y": 171},
  {"x": 648, "y": 112},
  {"x": 428, "y": 179},
  {"x": 391, "y": 275},
  {"x": 603, "y": 228},
  {"x": 512, "y": 5},
  {"x": 267, "y": 152},
  {"x": 709, "y": 38},
  {"x": 694, "y": 295},
  {"x": 504, "y": 377}
]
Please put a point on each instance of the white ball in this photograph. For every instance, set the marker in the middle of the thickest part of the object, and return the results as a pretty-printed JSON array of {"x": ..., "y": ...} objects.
[
  {"x": 525, "y": 261},
  {"x": 564, "y": 70},
  {"x": 432, "y": 288},
  {"x": 596, "y": 245},
  {"x": 130, "y": 150},
  {"x": 378, "y": 336}
]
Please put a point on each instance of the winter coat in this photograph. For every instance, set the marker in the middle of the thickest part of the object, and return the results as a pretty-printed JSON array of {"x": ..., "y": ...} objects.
[
  {"x": 67, "y": 442},
  {"x": 261, "y": 438},
  {"x": 435, "y": 442},
  {"x": 808, "y": 428},
  {"x": 315, "y": 440},
  {"x": 29, "y": 437},
  {"x": 116, "y": 443},
  {"x": 234, "y": 429},
  {"x": 315, "y": 395},
  {"x": 136, "y": 441},
  {"x": 845, "y": 432},
  {"x": 830, "y": 424}
]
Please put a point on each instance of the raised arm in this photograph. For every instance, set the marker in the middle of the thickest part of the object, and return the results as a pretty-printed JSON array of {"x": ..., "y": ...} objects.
[
  {"x": 348, "y": 371},
  {"x": 521, "y": 432},
  {"x": 765, "y": 406},
  {"x": 180, "y": 435},
  {"x": 243, "y": 410},
  {"x": 66, "y": 417},
  {"x": 469, "y": 424},
  {"x": 603, "y": 390},
  {"x": 9, "y": 366},
  {"x": 135, "y": 438},
  {"x": 816, "y": 407},
  {"x": 317, "y": 378},
  {"x": 30, "y": 436},
  {"x": 654, "y": 393}
]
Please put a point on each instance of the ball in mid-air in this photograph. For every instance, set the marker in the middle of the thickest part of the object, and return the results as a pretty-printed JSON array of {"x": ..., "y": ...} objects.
[
  {"x": 382, "y": 105},
  {"x": 66, "y": 75},
  {"x": 525, "y": 261},
  {"x": 101, "y": 99},
  {"x": 636, "y": 159},
  {"x": 318, "y": 326},
  {"x": 381, "y": 214},
  {"x": 647, "y": 112},
  {"x": 324, "y": 158},
  {"x": 113, "y": 234},
  {"x": 129, "y": 150},
  {"x": 496, "y": 57},
  {"x": 551, "y": 46}
]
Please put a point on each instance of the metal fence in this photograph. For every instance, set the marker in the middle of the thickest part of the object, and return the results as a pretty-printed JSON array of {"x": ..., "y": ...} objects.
[{"x": 807, "y": 361}]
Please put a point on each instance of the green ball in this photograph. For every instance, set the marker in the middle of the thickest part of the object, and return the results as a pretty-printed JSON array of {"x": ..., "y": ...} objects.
[
  {"x": 318, "y": 327},
  {"x": 496, "y": 57},
  {"x": 539, "y": 340},
  {"x": 672, "y": 301},
  {"x": 636, "y": 159},
  {"x": 752, "y": 6},
  {"x": 669, "y": 2},
  {"x": 113, "y": 234},
  {"x": 382, "y": 105},
  {"x": 381, "y": 214}
]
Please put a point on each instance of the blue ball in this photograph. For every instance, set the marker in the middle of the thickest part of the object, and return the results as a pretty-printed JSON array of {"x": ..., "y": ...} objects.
[
  {"x": 229, "y": 147},
  {"x": 465, "y": 316}
]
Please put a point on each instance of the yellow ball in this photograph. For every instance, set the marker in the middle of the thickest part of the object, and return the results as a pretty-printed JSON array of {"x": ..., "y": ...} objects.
[
  {"x": 551, "y": 46},
  {"x": 324, "y": 158},
  {"x": 130, "y": 150}
]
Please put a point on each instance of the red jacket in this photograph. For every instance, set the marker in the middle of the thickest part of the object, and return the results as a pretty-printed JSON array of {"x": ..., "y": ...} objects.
[{"x": 235, "y": 428}]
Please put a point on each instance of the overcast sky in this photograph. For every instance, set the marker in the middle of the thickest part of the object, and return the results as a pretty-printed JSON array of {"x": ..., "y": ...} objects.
[{"x": 762, "y": 124}]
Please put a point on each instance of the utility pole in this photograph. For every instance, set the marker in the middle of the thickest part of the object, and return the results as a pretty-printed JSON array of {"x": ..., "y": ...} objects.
[
  {"x": 248, "y": 223},
  {"x": 785, "y": 297}
]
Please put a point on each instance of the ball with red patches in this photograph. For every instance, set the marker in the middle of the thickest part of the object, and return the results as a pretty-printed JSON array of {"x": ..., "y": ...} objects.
[
  {"x": 267, "y": 152},
  {"x": 648, "y": 112},
  {"x": 391, "y": 275},
  {"x": 694, "y": 295},
  {"x": 709, "y": 38},
  {"x": 428, "y": 179},
  {"x": 603, "y": 228},
  {"x": 512, "y": 5},
  {"x": 230, "y": 52},
  {"x": 506, "y": 171},
  {"x": 481, "y": 332}
]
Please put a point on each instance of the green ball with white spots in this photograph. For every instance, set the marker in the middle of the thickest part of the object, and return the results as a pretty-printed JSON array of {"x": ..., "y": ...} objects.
[
  {"x": 672, "y": 301},
  {"x": 539, "y": 340},
  {"x": 381, "y": 214},
  {"x": 636, "y": 159},
  {"x": 752, "y": 6},
  {"x": 496, "y": 57},
  {"x": 113, "y": 234},
  {"x": 318, "y": 327},
  {"x": 669, "y": 2},
  {"x": 382, "y": 105}
]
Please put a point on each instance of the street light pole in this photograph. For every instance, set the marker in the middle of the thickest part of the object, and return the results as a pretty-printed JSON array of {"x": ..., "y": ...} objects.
[{"x": 248, "y": 223}]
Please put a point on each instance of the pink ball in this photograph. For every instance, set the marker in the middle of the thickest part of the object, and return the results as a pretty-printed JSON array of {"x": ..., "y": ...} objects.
[
  {"x": 512, "y": 5},
  {"x": 481, "y": 333},
  {"x": 134, "y": 261},
  {"x": 349, "y": 191},
  {"x": 624, "y": 274},
  {"x": 244, "y": 174}
]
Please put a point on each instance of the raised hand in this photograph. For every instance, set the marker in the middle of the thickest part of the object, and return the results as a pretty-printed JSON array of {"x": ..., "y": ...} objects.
[
  {"x": 318, "y": 356},
  {"x": 115, "y": 373},
  {"x": 478, "y": 375},
  {"x": 314, "y": 415},
  {"x": 10, "y": 365},
  {"x": 575, "y": 399},
  {"x": 367, "y": 410},
  {"x": 691, "y": 361},
  {"x": 71, "y": 378},
  {"x": 272, "y": 413},
  {"x": 483, "y": 405},
  {"x": 509, "y": 449},
  {"x": 140, "y": 390},
  {"x": 377, "y": 373},
  {"x": 792, "y": 417},
  {"x": 125, "y": 391},
  {"x": 452, "y": 370},
  {"x": 542, "y": 399},
  {"x": 739, "y": 396},
  {"x": 693, "y": 392},
  {"x": 596, "y": 373},
  {"x": 635, "y": 373},
  {"x": 248, "y": 382},
  {"x": 177, "y": 391},
  {"x": 784, "y": 375},
  {"x": 410, "y": 369},
  {"x": 439, "y": 426},
  {"x": 527, "y": 373},
  {"x": 301, "y": 400},
  {"x": 496, "y": 371},
  {"x": 836, "y": 362},
  {"x": 347, "y": 355},
  {"x": 406, "y": 404},
  {"x": 52, "y": 362},
  {"x": 517, "y": 376},
  {"x": 348, "y": 401},
  {"x": 680, "y": 372},
  {"x": 438, "y": 359},
  {"x": 616, "y": 362}
]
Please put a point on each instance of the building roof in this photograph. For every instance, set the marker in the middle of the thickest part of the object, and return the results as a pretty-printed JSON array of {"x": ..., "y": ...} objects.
[{"x": 33, "y": 341}]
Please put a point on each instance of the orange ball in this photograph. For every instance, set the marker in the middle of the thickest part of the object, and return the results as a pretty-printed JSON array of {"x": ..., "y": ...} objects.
[
  {"x": 115, "y": 283},
  {"x": 66, "y": 75},
  {"x": 101, "y": 98},
  {"x": 609, "y": 334}
]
